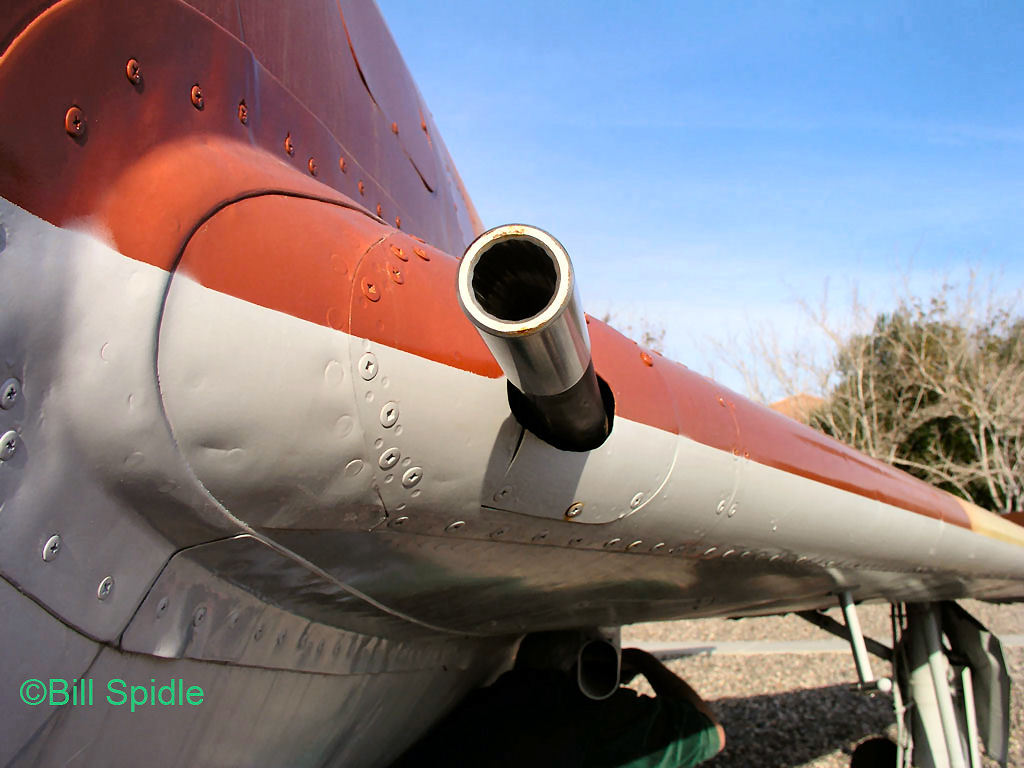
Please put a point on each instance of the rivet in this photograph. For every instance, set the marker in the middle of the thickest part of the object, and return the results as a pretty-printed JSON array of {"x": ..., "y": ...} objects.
[
  {"x": 454, "y": 526},
  {"x": 400, "y": 521},
  {"x": 421, "y": 253},
  {"x": 258, "y": 633},
  {"x": 389, "y": 458},
  {"x": 362, "y": 188},
  {"x": 319, "y": 647},
  {"x": 312, "y": 166},
  {"x": 9, "y": 396},
  {"x": 612, "y": 542},
  {"x": 728, "y": 553},
  {"x": 161, "y": 607},
  {"x": 503, "y": 493},
  {"x": 574, "y": 509},
  {"x": 412, "y": 476},
  {"x": 634, "y": 544},
  {"x": 732, "y": 510},
  {"x": 289, "y": 146},
  {"x": 281, "y": 637},
  {"x": 343, "y": 165},
  {"x": 380, "y": 211},
  {"x": 647, "y": 359},
  {"x": 399, "y": 253},
  {"x": 721, "y": 401},
  {"x": 74, "y": 122},
  {"x": 389, "y": 414},
  {"x": 720, "y": 508},
  {"x": 395, "y": 274},
  {"x": 105, "y": 588},
  {"x": 368, "y": 366},
  {"x": 498, "y": 533},
  {"x": 199, "y": 616},
  {"x": 394, "y": 128},
  {"x": 233, "y": 619},
  {"x": 540, "y": 536},
  {"x": 710, "y": 551},
  {"x": 398, "y": 222},
  {"x": 197, "y": 96},
  {"x": 133, "y": 71},
  {"x": 635, "y": 501},
  {"x": 8, "y": 444},
  {"x": 243, "y": 113},
  {"x": 658, "y": 546},
  {"x": 51, "y": 548},
  {"x": 370, "y": 290}
]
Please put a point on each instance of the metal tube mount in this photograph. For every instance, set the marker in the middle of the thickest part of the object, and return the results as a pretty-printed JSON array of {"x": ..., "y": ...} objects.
[{"x": 517, "y": 286}]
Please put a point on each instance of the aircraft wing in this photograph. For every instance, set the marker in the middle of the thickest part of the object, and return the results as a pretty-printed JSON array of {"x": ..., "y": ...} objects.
[{"x": 253, "y": 442}]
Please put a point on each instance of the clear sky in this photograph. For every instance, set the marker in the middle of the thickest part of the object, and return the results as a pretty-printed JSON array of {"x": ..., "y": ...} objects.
[{"x": 708, "y": 164}]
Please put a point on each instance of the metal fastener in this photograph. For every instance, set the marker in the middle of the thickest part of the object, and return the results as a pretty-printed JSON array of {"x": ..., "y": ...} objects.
[
  {"x": 343, "y": 165},
  {"x": 412, "y": 476},
  {"x": 370, "y": 290},
  {"x": 636, "y": 500},
  {"x": 74, "y": 122},
  {"x": 421, "y": 253},
  {"x": 389, "y": 458},
  {"x": 720, "y": 508},
  {"x": 133, "y": 71},
  {"x": 454, "y": 526},
  {"x": 389, "y": 414},
  {"x": 312, "y": 166},
  {"x": 380, "y": 210},
  {"x": 395, "y": 274},
  {"x": 197, "y": 96},
  {"x": 362, "y": 188},
  {"x": 105, "y": 588},
  {"x": 398, "y": 222},
  {"x": 399, "y": 253},
  {"x": 612, "y": 542},
  {"x": 289, "y": 147},
  {"x": 647, "y": 359},
  {"x": 161, "y": 607},
  {"x": 199, "y": 616},
  {"x": 634, "y": 544},
  {"x": 400, "y": 521},
  {"x": 243, "y": 113},
  {"x": 8, "y": 444},
  {"x": 9, "y": 396},
  {"x": 394, "y": 128},
  {"x": 732, "y": 510},
  {"x": 368, "y": 366},
  {"x": 574, "y": 509},
  {"x": 51, "y": 548}
]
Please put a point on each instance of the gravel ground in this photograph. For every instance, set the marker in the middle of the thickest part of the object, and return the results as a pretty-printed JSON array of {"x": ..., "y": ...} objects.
[{"x": 798, "y": 709}]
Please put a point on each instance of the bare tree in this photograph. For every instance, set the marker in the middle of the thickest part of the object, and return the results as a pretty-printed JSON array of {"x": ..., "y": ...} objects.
[{"x": 935, "y": 387}]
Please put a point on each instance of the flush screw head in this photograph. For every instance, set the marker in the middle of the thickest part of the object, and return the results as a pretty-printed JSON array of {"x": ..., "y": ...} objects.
[
  {"x": 8, "y": 445},
  {"x": 74, "y": 123},
  {"x": 133, "y": 71},
  {"x": 105, "y": 588},
  {"x": 9, "y": 394},
  {"x": 51, "y": 548},
  {"x": 368, "y": 366}
]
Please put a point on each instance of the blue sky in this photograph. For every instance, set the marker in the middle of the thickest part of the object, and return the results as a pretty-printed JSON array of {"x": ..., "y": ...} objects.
[{"x": 706, "y": 165}]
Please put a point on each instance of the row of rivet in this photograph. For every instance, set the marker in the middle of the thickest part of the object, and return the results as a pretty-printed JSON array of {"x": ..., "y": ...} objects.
[{"x": 75, "y": 125}]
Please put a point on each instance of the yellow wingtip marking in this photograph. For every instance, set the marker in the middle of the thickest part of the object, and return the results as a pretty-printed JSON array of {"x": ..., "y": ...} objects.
[{"x": 992, "y": 525}]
